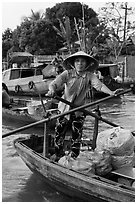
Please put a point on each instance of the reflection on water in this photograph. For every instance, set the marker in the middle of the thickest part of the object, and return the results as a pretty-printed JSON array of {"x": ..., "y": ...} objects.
[{"x": 19, "y": 184}]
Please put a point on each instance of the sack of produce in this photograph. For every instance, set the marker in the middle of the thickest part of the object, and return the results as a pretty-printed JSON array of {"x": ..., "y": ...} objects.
[
  {"x": 101, "y": 159},
  {"x": 118, "y": 141},
  {"x": 83, "y": 166},
  {"x": 121, "y": 161},
  {"x": 66, "y": 161},
  {"x": 77, "y": 164}
]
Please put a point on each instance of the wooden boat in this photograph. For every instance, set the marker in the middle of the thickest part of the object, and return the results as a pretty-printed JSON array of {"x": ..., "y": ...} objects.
[
  {"x": 23, "y": 78},
  {"x": 24, "y": 112},
  {"x": 72, "y": 182},
  {"x": 108, "y": 75},
  {"x": 36, "y": 151}
]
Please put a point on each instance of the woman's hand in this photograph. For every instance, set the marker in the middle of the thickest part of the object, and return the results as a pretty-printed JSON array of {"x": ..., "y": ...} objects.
[
  {"x": 50, "y": 94},
  {"x": 117, "y": 91}
]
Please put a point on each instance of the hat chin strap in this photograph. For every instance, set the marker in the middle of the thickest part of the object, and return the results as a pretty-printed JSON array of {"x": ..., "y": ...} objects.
[
  {"x": 90, "y": 65},
  {"x": 71, "y": 66},
  {"x": 87, "y": 67}
]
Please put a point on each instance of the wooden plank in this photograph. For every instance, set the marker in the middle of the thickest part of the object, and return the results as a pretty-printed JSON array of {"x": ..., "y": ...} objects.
[
  {"x": 127, "y": 172},
  {"x": 20, "y": 109},
  {"x": 45, "y": 143}
]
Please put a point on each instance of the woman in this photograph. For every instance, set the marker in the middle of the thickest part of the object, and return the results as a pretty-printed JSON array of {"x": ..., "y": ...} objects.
[{"x": 78, "y": 77}]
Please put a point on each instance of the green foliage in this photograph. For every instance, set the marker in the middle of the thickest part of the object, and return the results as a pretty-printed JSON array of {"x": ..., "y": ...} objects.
[
  {"x": 38, "y": 37},
  {"x": 114, "y": 14},
  {"x": 7, "y": 34},
  {"x": 45, "y": 34},
  {"x": 71, "y": 10},
  {"x": 39, "y": 34},
  {"x": 7, "y": 42}
]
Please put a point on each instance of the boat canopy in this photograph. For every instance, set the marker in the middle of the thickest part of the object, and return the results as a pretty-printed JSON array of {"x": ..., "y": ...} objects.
[
  {"x": 49, "y": 71},
  {"x": 108, "y": 70},
  {"x": 20, "y": 57},
  {"x": 107, "y": 65}
]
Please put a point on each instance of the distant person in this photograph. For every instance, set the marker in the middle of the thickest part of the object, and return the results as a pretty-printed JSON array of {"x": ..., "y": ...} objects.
[
  {"x": 59, "y": 69},
  {"x": 94, "y": 53},
  {"x": 57, "y": 62},
  {"x": 5, "y": 96},
  {"x": 98, "y": 74},
  {"x": 77, "y": 77}
]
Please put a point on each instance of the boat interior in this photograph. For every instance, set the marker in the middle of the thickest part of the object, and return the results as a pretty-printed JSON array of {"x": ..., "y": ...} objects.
[{"x": 124, "y": 177}]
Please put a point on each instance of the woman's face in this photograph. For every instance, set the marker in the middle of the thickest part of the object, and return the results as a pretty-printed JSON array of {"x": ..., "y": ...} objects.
[{"x": 80, "y": 64}]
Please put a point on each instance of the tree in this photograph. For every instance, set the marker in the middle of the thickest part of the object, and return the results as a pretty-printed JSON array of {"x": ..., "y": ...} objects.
[
  {"x": 37, "y": 34},
  {"x": 7, "y": 42},
  {"x": 65, "y": 32},
  {"x": 119, "y": 29},
  {"x": 115, "y": 15},
  {"x": 61, "y": 13},
  {"x": 38, "y": 37}
]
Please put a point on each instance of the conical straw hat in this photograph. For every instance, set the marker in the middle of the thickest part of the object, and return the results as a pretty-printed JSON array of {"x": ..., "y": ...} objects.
[{"x": 92, "y": 63}]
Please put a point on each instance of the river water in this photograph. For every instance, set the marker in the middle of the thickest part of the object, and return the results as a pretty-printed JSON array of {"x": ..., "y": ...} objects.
[{"x": 19, "y": 184}]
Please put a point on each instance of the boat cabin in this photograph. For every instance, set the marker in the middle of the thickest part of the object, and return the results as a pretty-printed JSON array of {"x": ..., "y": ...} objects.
[
  {"x": 22, "y": 75},
  {"x": 16, "y": 73},
  {"x": 107, "y": 74},
  {"x": 108, "y": 70}
]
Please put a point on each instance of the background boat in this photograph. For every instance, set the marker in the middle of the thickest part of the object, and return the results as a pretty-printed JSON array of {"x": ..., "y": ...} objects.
[
  {"x": 23, "y": 111},
  {"x": 108, "y": 74},
  {"x": 26, "y": 78}
]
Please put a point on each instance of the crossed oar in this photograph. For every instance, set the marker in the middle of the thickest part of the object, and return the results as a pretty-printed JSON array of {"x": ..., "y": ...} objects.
[{"x": 75, "y": 108}]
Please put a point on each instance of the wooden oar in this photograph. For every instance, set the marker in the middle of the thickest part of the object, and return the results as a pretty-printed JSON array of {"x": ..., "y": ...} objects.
[
  {"x": 63, "y": 114},
  {"x": 86, "y": 111},
  {"x": 94, "y": 103},
  {"x": 40, "y": 98}
]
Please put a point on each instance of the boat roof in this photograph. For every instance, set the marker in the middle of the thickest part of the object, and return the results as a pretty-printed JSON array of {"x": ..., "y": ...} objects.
[
  {"x": 20, "y": 57},
  {"x": 106, "y": 65},
  {"x": 22, "y": 68}
]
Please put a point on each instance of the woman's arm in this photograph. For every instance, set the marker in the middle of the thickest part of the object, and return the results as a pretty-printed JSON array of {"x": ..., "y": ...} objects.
[
  {"x": 99, "y": 86},
  {"x": 57, "y": 83},
  {"x": 106, "y": 90}
]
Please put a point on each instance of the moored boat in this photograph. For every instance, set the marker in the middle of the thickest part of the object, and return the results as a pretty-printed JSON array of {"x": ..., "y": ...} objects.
[
  {"x": 110, "y": 77},
  {"x": 24, "y": 112},
  {"x": 23, "y": 78},
  {"x": 108, "y": 74}
]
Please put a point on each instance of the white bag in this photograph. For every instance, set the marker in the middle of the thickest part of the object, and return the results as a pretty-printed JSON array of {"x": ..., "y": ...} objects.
[
  {"x": 83, "y": 166},
  {"x": 66, "y": 161},
  {"x": 118, "y": 141},
  {"x": 100, "y": 159},
  {"x": 121, "y": 161}
]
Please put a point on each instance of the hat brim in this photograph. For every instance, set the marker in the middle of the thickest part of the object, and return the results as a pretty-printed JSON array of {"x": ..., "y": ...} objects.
[{"x": 92, "y": 63}]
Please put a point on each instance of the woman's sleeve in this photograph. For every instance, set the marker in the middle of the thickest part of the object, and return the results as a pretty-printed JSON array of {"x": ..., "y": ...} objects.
[
  {"x": 99, "y": 86},
  {"x": 96, "y": 83},
  {"x": 59, "y": 81}
]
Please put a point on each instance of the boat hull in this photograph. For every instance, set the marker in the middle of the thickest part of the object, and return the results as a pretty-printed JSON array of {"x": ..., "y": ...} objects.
[
  {"x": 19, "y": 113},
  {"x": 42, "y": 87},
  {"x": 82, "y": 186},
  {"x": 34, "y": 84}
]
